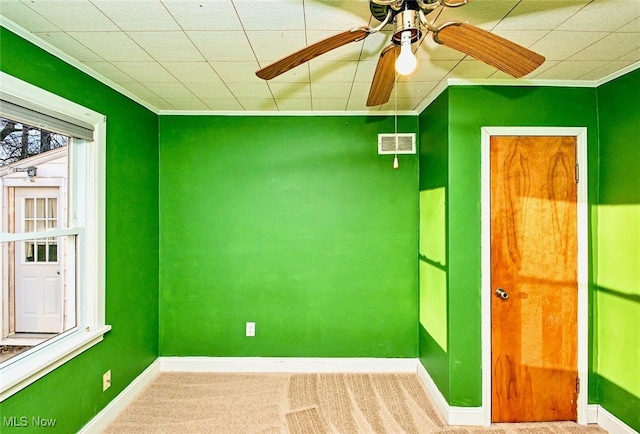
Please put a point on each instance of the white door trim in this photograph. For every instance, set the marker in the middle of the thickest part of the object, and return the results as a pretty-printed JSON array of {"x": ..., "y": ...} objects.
[{"x": 583, "y": 258}]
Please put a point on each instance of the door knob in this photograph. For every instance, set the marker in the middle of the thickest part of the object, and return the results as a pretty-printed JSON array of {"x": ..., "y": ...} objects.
[{"x": 502, "y": 293}]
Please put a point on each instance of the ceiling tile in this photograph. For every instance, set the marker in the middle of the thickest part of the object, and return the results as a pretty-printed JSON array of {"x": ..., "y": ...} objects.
[
  {"x": 209, "y": 90},
  {"x": 227, "y": 104},
  {"x": 137, "y": 15},
  {"x": 228, "y": 45},
  {"x": 332, "y": 71},
  {"x": 270, "y": 14},
  {"x": 160, "y": 104},
  {"x": 560, "y": 45},
  {"x": 187, "y": 104},
  {"x": 271, "y": 46},
  {"x": 605, "y": 70},
  {"x": 596, "y": 16},
  {"x": 330, "y": 90},
  {"x": 170, "y": 90},
  {"x": 471, "y": 69},
  {"x": 237, "y": 72},
  {"x": 109, "y": 71},
  {"x": 70, "y": 46},
  {"x": 139, "y": 90},
  {"x": 633, "y": 26},
  {"x": 111, "y": 46},
  {"x": 431, "y": 70},
  {"x": 485, "y": 14},
  {"x": 540, "y": 14},
  {"x": 365, "y": 71},
  {"x": 167, "y": 46},
  {"x": 293, "y": 104},
  {"x": 360, "y": 91},
  {"x": 73, "y": 15},
  {"x": 526, "y": 38},
  {"x": 337, "y": 15},
  {"x": 632, "y": 56},
  {"x": 329, "y": 104},
  {"x": 373, "y": 45},
  {"x": 146, "y": 72},
  {"x": 569, "y": 70},
  {"x": 290, "y": 90},
  {"x": 256, "y": 90},
  {"x": 258, "y": 104},
  {"x": 204, "y": 14},
  {"x": 609, "y": 48},
  {"x": 193, "y": 72},
  {"x": 434, "y": 51},
  {"x": 360, "y": 106},
  {"x": 21, "y": 14}
]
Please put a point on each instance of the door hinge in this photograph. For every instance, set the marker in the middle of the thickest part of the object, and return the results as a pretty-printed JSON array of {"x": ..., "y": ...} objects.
[
  {"x": 577, "y": 173},
  {"x": 577, "y": 385}
]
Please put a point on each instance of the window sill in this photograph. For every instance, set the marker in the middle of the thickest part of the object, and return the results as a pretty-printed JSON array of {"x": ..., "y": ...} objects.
[{"x": 18, "y": 374}]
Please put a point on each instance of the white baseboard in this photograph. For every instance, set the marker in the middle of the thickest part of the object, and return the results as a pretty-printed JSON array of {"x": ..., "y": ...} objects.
[
  {"x": 453, "y": 415},
  {"x": 285, "y": 364},
  {"x": 108, "y": 414},
  {"x": 441, "y": 404},
  {"x": 612, "y": 424},
  {"x": 592, "y": 413}
]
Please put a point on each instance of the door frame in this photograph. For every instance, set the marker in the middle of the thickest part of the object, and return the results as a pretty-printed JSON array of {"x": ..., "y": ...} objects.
[
  {"x": 582, "y": 207},
  {"x": 5, "y": 183}
]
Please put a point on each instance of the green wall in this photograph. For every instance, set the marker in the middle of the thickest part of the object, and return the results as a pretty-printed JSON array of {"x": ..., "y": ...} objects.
[
  {"x": 292, "y": 222},
  {"x": 456, "y": 369},
  {"x": 617, "y": 251},
  {"x": 72, "y": 394},
  {"x": 434, "y": 181}
]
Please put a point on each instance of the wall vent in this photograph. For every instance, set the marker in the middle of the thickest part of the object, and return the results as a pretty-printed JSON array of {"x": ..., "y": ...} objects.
[{"x": 406, "y": 143}]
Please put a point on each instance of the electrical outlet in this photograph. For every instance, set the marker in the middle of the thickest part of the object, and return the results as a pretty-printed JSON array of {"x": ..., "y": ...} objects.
[
  {"x": 251, "y": 329},
  {"x": 106, "y": 380}
]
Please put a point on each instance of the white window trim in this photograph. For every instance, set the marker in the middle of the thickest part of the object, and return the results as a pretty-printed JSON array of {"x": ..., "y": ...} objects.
[{"x": 20, "y": 371}]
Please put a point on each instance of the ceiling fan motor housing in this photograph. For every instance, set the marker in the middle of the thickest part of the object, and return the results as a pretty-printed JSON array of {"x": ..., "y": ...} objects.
[{"x": 406, "y": 20}]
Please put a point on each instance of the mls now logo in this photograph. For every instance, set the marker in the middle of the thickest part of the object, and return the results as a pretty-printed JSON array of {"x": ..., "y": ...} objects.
[{"x": 23, "y": 421}]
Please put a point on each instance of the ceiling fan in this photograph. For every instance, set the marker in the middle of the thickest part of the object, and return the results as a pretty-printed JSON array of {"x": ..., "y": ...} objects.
[{"x": 409, "y": 18}]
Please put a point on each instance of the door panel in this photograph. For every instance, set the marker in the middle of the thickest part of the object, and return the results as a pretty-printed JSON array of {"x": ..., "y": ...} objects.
[
  {"x": 38, "y": 291},
  {"x": 534, "y": 260}
]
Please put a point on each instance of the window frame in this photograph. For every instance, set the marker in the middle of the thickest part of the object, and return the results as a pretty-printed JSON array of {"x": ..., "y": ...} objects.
[{"x": 87, "y": 161}]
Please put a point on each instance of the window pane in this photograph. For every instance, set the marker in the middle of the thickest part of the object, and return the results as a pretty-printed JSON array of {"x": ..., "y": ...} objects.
[
  {"x": 53, "y": 252},
  {"x": 28, "y": 208},
  {"x": 52, "y": 211},
  {"x": 42, "y": 252},
  {"x": 29, "y": 252},
  {"x": 40, "y": 208}
]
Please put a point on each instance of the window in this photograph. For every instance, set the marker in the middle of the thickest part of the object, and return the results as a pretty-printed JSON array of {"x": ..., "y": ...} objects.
[{"x": 51, "y": 232}]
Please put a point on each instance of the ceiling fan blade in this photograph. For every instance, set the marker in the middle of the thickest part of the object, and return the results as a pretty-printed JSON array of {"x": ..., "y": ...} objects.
[
  {"x": 384, "y": 77},
  {"x": 310, "y": 52},
  {"x": 494, "y": 50}
]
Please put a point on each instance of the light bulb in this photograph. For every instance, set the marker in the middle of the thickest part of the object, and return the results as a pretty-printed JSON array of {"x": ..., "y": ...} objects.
[{"x": 406, "y": 62}]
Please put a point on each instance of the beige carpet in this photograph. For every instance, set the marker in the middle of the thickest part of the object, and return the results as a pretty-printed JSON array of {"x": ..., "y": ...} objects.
[{"x": 298, "y": 404}]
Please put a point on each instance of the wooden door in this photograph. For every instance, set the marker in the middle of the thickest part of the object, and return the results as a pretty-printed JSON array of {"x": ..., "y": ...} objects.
[{"x": 533, "y": 278}]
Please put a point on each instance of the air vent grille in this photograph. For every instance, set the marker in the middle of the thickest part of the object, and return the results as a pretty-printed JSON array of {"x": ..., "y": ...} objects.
[{"x": 406, "y": 143}]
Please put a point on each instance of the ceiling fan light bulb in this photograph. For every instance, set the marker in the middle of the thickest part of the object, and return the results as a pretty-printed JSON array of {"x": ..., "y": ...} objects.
[{"x": 406, "y": 62}]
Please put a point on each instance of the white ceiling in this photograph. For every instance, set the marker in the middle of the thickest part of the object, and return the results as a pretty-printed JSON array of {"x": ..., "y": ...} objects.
[{"x": 201, "y": 55}]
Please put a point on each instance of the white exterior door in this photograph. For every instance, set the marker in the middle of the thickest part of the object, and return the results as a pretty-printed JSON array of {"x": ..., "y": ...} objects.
[{"x": 38, "y": 283}]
